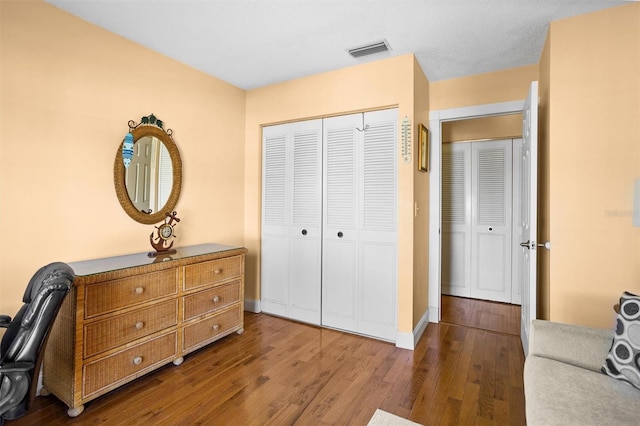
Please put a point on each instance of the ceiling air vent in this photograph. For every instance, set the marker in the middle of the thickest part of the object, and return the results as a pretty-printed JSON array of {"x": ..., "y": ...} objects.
[{"x": 370, "y": 49}]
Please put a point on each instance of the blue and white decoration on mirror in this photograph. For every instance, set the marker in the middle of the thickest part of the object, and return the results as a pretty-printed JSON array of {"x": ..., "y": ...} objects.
[{"x": 127, "y": 150}]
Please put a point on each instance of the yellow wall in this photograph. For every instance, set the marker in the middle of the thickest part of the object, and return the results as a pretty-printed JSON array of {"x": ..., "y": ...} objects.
[
  {"x": 480, "y": 89},
  {"x": 376, "y": 85},
  {"x": 594, "y": 157},
  {"x": 496, "y": 127},
  {"x": 68, "y": 90},
  {"x": 421, "y": 198}
]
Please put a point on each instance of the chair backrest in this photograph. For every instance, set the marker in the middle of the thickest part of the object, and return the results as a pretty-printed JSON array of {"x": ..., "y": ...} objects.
[{"x": 42, "y": 299}]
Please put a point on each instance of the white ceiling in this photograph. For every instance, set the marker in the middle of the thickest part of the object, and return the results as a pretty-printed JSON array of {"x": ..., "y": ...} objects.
[{"x": 254, "y": 43}]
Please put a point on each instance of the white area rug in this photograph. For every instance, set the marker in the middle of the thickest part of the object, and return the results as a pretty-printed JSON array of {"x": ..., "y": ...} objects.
[{"x": 382, "y": 418}]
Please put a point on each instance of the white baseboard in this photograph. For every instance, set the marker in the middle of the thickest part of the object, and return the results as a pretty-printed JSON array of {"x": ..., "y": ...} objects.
[
  {"x": 403, "y": 340},
  {"x": 409, "y": 340},
  {"x": 434, "y": 314},
  {"x": 252, "y": 305}
]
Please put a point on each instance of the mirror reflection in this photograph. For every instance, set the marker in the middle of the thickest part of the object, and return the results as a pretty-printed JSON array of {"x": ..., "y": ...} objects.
[
  {"x": 147, "y": 172},
  {"x": 149, "y": 177}
]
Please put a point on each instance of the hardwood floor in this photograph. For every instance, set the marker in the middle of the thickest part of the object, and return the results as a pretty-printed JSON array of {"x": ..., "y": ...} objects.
[
  {"x": 282, "y": 372},
  {"x": 492, "y": 316}
]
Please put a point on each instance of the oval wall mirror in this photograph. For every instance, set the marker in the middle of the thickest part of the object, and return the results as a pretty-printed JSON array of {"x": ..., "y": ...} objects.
[{"x": 149, "y": 185}]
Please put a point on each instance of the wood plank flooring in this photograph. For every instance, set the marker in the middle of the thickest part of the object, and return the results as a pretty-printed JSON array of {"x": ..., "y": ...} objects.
[
  {"x": 283, "y": 373},
  {"x": 492, "y": 316}
]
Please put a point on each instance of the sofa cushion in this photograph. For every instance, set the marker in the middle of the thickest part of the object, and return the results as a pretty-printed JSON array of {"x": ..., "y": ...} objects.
[
  {"x": 623, "y": 361},
  {"x": 557, "y": 393}
]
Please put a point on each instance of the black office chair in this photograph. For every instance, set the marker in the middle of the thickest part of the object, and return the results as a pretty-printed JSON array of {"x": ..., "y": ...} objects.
[{"x": 26, "y": 335}]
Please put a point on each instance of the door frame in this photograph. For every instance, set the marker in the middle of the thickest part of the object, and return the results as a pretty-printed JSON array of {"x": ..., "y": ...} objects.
[{"x": 436, "y": 118}]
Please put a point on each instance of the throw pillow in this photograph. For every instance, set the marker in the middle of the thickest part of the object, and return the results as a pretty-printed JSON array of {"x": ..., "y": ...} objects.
[{"x": 623, "y": 361}]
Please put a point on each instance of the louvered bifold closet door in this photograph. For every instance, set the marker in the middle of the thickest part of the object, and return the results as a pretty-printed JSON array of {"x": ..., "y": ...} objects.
[
  {"x": 291, "y": 220},
  {"x": 456, "y": 219},
  {"x": 377, "y": 222},
  {"x": 359, "y": 280},
  {"x": 491, "y": 220},
  {"x": 340, "y": 272}
]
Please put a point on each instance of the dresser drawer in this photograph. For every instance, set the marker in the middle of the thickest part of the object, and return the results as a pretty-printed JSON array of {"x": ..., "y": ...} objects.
[
  {"x": 109, "y": 296},
  {"x": 207, "y": 273},
  {"x": 209, "y": 329},
  {"x": 128, "y": 364},
  {"x": 117, "y": 330},
  {"x": 211, "y": 300}
]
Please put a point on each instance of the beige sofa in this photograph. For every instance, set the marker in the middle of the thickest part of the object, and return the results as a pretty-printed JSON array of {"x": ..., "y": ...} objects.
[{"x": 563, "y": 384}]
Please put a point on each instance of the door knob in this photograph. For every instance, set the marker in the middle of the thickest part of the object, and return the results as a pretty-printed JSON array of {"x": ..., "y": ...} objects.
[
  {"x": 304, "y": 232},
  {"x": 340, "y": 234},
  {"x": 532, "y": 245}
]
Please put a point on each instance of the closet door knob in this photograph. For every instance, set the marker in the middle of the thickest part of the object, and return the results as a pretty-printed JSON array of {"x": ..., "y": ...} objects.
[
  {"x": 340, "y": 234},
  {"x": 304, "y": 232}
]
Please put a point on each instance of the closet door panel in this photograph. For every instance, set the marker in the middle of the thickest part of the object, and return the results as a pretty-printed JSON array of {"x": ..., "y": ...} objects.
[
  {"x": 304, "y": 277},
  {"x": 491, "y": 268},
  {"x": 275, "y": 275},
  {"x": 378, "y": 225},
  {"x": 340, "y": 237},
  {"x": 291, "y": 237},
  {"x": 275, "y": 238},
  {"x": 456, "y": 219},
  {"x": 338, "y": 284},
  {"x": 378, "y": 292},
  {"x": 491, "y": 220},
  {"x": 305, "y": 236}
]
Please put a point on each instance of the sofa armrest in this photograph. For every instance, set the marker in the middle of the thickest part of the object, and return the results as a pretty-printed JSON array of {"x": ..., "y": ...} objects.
[{"x": 584, "y": 347}]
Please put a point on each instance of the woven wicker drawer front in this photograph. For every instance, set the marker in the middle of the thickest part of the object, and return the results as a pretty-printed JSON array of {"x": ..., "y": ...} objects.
[
  {"x": 127, "y": 365},
  {"x": 117, "y": 330},
  {"x": 207, "y": 273},
  {"x": 109, "y": 296},
  {"x": 211, "y": 328},
  {"x": 211, "y": 300}
]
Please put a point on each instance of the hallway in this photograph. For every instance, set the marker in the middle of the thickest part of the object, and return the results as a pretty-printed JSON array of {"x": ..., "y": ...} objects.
[{"x": 481, "y": 314}]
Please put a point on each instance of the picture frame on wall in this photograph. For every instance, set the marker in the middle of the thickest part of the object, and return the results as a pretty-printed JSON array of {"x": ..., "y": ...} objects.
[{"x": 423, "y": 148}]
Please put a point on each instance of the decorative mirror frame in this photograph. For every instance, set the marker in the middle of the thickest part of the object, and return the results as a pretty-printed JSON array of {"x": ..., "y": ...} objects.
[{"x": 149, "y": 126}]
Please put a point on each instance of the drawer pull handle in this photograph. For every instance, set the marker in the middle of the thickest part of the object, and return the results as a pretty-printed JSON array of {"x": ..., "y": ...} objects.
[
  {"x": 139, "y": 290},
  {"x": 137, "y": 360},
  {"x": 139, "y": 325},
  {"x": 217, "y": 271},
  {"x": 216, "y": 327},
  {"x": 216, "y": 299}
]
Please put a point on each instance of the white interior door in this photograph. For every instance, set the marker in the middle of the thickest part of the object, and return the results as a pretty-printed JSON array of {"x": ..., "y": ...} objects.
[
  {"x": 291, "y": 220},
  {"x": 491, "y": 231},
  {"x": 359, "y": 278},
  {"x": 139, "y": 174},
  {"x": 516, "y": 281},
  {"x": 456, "y": 219},
  {"x": 275, "y": 221},
  {"x": 340, "y": 273},
  {"x": 305, "y": 232},
  {"x": 377, "y": 237},
  {"x": 529, "y": 216}
]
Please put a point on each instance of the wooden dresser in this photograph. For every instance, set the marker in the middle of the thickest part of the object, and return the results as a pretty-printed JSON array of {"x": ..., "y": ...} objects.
[{"x": 128, "y": 315}]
